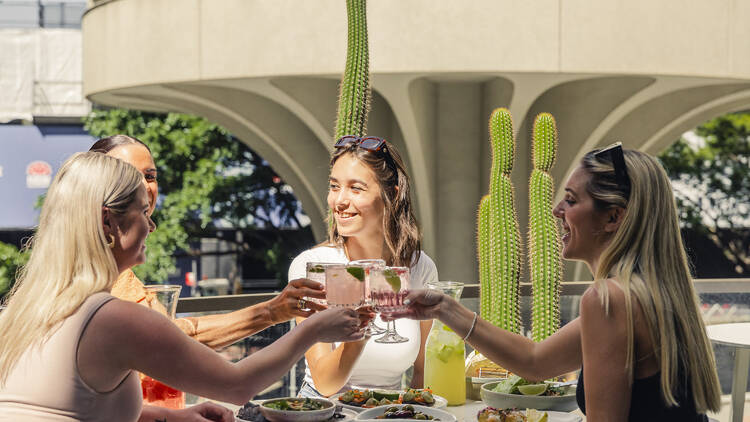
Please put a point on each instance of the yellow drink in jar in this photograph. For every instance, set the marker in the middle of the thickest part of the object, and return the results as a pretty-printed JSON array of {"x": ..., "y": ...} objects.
[{"x": 444, "y": 365}]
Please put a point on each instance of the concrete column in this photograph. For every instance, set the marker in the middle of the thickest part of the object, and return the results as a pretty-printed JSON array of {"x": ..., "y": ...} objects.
[{"x": 458, "y": 138}]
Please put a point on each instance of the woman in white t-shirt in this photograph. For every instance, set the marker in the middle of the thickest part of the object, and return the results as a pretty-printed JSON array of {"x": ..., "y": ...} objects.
[{"x": 369, "y": 199}]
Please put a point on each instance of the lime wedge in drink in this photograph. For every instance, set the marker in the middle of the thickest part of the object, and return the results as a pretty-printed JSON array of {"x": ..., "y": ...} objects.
[
  {"x": 533, "y": 415},
  {"x": 317, "y": 269},
  {"x": 532, "y": 389},
  {"x": 393, "y": 279},
  {"x": 357, "y": 272}
]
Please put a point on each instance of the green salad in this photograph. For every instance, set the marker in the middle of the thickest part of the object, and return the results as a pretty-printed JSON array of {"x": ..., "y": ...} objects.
[{"x": 297, "y": 405}]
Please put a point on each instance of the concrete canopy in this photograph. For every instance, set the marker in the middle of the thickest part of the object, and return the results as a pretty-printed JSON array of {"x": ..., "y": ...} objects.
[{"x": 642, "y": 72}]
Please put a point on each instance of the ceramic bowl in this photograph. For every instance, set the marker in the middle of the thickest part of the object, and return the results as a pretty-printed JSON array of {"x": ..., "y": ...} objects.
[
  {"x": 371, "y": 414},
  {"x": 497, "y": 400},
  {"x": 275, "y": 415}
]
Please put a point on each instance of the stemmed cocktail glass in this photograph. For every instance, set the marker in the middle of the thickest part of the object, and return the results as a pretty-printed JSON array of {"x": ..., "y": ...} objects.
[
  {"x": 388, "y": 289},
  {"x": 369, "y": 264}
]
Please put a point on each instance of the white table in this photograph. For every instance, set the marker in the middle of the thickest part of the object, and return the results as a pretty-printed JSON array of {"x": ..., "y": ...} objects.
[{"x": 735, "y": 335}]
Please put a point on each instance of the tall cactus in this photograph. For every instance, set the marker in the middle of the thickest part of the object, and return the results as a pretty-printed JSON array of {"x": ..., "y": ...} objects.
[
  {"x": 544, "y": 239},
  {"x": 354, "y": 91},
  {"x": 502, "y": 239}
]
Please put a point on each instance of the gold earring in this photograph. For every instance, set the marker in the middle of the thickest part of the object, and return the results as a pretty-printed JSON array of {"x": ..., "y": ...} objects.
[{"x": 111, "y": 243}]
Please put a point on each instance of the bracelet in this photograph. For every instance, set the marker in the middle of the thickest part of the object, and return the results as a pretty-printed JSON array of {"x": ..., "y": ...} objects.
[{"x": 471, "y": 330}]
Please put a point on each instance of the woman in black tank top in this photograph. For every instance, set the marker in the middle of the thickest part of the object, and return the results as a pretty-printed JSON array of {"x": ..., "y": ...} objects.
[{"x": 619, "y": 217}]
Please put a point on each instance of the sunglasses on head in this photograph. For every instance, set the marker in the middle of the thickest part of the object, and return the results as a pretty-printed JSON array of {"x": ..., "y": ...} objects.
[
  {"x": 370, "y": 143},
  {"x": 614, "y": 155}
]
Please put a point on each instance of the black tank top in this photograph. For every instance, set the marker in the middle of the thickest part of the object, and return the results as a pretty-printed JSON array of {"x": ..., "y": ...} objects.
[{"x": 647, "y": 405}]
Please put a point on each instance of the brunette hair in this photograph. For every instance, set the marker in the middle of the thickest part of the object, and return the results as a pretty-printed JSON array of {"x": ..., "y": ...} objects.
[
  {"x": 400, "y": 228},
  {"x": 647, "y": 258},
  {"x": 105, "y": 145}
]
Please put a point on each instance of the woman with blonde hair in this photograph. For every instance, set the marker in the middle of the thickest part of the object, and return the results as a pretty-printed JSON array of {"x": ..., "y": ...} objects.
[
  {"x": 640, "y": 335},
  {"x": 69, "y": 350},
  {"x": 372, "y": 218}
]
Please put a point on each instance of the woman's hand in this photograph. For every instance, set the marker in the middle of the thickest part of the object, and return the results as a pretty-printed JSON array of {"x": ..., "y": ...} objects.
[
  {"x": 286, "y": 305},
  {"x": 206, "y": 411},
  {"x": 422, "y": 304},
  {"x": 337, "y": 324}
]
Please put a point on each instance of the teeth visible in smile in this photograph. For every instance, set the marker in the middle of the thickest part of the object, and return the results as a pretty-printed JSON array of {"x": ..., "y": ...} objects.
[{"x": 346, "y": 214}]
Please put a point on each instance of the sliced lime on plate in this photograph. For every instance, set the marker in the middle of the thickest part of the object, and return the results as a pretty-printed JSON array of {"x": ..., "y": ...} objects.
[{"x": 532, "y": 389}]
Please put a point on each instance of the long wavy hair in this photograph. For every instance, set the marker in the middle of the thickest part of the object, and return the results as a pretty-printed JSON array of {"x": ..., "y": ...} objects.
[
  {"x": 647, "y": 257},
  {"x": 70, "y": 259},
  {"x": 400, "y": 228}
]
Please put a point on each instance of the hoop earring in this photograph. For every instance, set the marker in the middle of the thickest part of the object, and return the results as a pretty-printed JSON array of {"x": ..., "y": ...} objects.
[{"x": 111, "y": 243}]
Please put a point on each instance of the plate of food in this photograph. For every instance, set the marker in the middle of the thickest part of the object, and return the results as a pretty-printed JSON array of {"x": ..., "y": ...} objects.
[
  {"x": 405, "y": 412},
  {"x": 294, "y": 409},
  {"x": 250, "y": 412},
  {"x": 365, "y": 399},
  {"x": 515, "y": 392},
  {"x": 491, "y": 414}
]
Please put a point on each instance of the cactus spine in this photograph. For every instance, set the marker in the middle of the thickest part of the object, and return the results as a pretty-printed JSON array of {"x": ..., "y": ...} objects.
[
  {"x": 354, "y": 91},
  {"x": 544, "y": 239},
  {"x": 483, "y": 249},
  {"x": 502, "y": 242}
]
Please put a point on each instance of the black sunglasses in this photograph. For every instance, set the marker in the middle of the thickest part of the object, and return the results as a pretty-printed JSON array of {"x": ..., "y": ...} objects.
[
  {"x": 370, "y": 143},
  {"x": 614, "y": 155}
]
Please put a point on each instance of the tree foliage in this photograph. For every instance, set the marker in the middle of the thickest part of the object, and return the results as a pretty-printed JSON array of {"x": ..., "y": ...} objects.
[
  {"x": 712, "y": 181},
  {"x": 10, "y": 260},
  {"x": 207, "y": 180}
]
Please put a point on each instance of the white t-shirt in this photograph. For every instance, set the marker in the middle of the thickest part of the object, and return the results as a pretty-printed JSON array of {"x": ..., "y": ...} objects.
[{"x": 379, "y": 365}]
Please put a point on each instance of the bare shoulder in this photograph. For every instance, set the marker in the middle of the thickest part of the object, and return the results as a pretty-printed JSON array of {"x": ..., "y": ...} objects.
[
  {"x": 605, "y": 298},
  {"x": 122, "y": 318}
]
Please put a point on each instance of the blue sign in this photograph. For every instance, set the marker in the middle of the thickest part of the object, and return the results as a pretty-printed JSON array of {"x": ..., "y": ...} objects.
[{"x": 29, "y": 158}]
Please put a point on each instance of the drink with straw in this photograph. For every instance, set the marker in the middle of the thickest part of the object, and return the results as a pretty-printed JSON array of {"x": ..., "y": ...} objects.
[{"x": 345, "y": 285}]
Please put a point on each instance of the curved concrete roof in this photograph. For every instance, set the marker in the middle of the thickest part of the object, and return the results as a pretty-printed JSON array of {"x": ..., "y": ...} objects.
[{"x": 639, "y": 71}]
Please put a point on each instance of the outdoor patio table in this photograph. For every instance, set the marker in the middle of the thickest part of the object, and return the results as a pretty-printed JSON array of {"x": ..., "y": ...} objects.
[
  {"x": 736, "y": 335},
  {"x": 464, "y": 413}
]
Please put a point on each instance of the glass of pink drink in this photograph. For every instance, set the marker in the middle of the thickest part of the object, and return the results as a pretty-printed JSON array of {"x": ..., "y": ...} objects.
[
  {"x": 388, "y": 289},
  {"x": 316, "y": 271},
  {"x": 369, "y": 264},
  {"x": 345, "y": 285}
]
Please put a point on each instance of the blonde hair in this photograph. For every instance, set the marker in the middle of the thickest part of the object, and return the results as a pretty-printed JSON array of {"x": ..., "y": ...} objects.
[
  {"x": 647, "y": 258},
  {"x": 70, "y": 259}
]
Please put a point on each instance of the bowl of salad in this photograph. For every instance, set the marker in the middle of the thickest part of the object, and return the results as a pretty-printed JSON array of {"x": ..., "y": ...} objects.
[
  {"x": 516, "y": 392},
  {"x": 297, "y": 409}
]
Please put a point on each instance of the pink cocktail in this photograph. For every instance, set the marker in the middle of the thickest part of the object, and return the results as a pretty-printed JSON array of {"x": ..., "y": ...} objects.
[
  {"x": 345, "y": 285},
  {"x": 388, "y": 288}
]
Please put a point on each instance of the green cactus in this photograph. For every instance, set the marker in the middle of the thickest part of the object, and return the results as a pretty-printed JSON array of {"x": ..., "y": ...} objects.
[
  {"x": 354, "y": 91},
  {"x": 544, "y": 238},
  {"x": 502, "y": 242}
]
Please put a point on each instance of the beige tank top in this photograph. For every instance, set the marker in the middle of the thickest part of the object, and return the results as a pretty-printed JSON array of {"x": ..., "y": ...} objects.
[{"x": 45, "y": 385}]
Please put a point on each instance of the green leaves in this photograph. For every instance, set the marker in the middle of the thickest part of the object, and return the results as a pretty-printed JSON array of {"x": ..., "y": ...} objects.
[
  {"x": 205, "y": 176},
  {"x": 11, "y": 259},
  {"x": 711, "y": 178}
]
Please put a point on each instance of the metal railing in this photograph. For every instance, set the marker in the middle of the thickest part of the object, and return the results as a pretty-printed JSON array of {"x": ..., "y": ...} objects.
[{"x": 471, "y": 291}]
